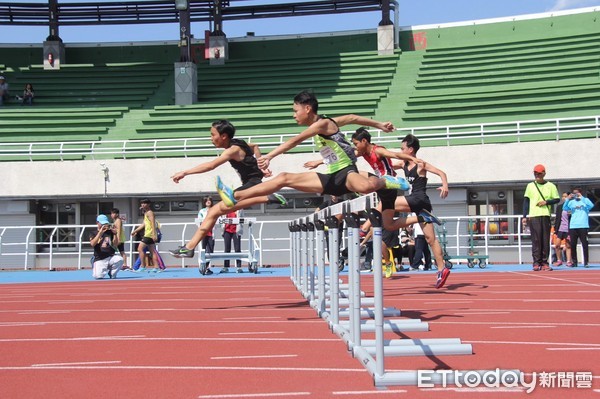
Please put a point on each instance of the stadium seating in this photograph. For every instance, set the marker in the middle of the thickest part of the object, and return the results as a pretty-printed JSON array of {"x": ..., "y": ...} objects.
[
  {"x": 471, "y": 80},
  {"x": 92, "y": 85},
  {"x": 507, "y": 81},
  {"x": 256, "y": 94}
]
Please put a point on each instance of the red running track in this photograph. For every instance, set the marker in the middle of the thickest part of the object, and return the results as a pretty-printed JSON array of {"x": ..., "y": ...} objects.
[{"x": 258, "y": 338}]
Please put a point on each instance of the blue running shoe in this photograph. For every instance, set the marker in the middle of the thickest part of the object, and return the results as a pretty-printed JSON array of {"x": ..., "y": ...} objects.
[
  {"x": 429, "y": 217},
  {"x": 226, "y": 193},
  {"x": 396, "y": 183}
]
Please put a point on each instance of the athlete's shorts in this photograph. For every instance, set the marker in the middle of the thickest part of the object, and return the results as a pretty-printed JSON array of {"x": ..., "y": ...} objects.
[
  {"x": 250, "y": 183},
  {"x": 418, "y": 201},
  {"x": 387, "y": 197},
  {"x": 335, "y": 183},
  {"x": 148, "y": 241},
  {"x": 390, "y": 238},
  {"x": 121, "y": 247}
]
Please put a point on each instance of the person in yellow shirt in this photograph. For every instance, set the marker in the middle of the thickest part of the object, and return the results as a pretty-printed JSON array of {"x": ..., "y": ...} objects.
[
  {"x": 539, "y": 197},
  {"x": 150, "y": 234}
]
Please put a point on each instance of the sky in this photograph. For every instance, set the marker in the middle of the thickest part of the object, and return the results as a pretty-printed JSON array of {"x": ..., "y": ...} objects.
[{"x": 412, "y": 13}]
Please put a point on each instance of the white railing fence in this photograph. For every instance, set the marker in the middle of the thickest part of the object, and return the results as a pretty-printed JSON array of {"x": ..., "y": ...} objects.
[
  {"x": 67, "y": 246},
  {"x": 481, "y": 133}
]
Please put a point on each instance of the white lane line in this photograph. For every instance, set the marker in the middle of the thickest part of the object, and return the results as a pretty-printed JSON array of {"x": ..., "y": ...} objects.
[
  {"x": 545, "y": 276},
  {"x": 254, "y": 395},
  {"x": 45, "y": 312},
  {"x": 509, "y": 323},
  {"x": 252, "y": 333},
  {"x": 75, "y": 363},
  {"x": 533, "y": 343},
  {"x": 476, "y": 313},
  {"x": 510, "y": 292},
  {"x": 142, "y": 338},
  {"x": 251, "y": 357},
  {"x": 213, "y": 368},
  {"x": 524, "y": 327},
  {"x": 315, "y": 321},
  {"x": 379, "y": 392},
  {"x": 574, "y": 349},
  {"x": 252, "y": 318}
]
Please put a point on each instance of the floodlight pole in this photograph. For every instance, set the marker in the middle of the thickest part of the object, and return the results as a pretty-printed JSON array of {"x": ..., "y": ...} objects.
[
  {"x": 385, "y": 13},
  {"x": 53, "y": 21}
]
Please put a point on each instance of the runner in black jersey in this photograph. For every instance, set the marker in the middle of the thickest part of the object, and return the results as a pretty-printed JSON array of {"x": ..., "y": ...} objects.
[
  {"x": 242, "y": 157},
  {"x": 418, "y": 201}
]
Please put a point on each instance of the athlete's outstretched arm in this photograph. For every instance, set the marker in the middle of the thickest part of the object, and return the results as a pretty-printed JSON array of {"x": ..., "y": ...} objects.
[
  {"x": 312, "y": 130},
  {"x": 384, "y": 152},
  {"x": 206, "y": 166},
  {"x": 313, "y": 164},
  {"x": 352, "y": 119}
]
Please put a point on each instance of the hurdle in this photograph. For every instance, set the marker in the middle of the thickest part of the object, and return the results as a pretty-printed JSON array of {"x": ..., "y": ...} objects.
[
  {"x": 344, "y": 307},
  {"x": 251, "y": 255}
]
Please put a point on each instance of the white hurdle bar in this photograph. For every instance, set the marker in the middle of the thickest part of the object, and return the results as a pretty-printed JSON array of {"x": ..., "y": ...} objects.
[{"x": 323, "y": 294}]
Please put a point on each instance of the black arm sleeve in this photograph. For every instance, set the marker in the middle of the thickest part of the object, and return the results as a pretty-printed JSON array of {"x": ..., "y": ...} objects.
[
  {"x": 525, "y": 206},
  {"x": 553, "y": 201},
  {"x": 557, "y": 219}
]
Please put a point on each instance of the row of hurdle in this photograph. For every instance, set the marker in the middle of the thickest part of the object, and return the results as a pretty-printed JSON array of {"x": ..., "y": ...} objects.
[{"x": 346, "y": 309}]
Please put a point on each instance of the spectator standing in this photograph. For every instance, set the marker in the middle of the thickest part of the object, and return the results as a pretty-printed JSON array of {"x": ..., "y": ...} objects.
[
  {"x": 118, "y": 223},
  {"x": 104, "y": 241},
  {"x": 150, "y": 237},
  {"x": 208, "y": 241},
  {"x": 561, "y": 232},
  {"x": 421, "y": 250},
  {"x": 4, "y": 93},
  {"x": 539, "y": 197},
  {"x": 580, "y": 207},
  {"x": 232, "y": 232}
]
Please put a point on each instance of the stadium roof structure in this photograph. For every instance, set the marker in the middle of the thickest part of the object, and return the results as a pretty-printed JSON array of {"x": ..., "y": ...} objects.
[{"x": 164, "y": 11}]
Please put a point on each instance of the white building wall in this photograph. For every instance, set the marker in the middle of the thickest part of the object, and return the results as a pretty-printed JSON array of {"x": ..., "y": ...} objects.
[{"x": 465, "y": 165}]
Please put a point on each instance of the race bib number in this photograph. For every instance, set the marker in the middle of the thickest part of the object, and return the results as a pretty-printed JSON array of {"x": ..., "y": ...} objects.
[{"x": 328, "y": 155}]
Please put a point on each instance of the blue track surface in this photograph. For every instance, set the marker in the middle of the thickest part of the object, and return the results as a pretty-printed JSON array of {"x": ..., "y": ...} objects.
[{"x": 45, "y": 276}]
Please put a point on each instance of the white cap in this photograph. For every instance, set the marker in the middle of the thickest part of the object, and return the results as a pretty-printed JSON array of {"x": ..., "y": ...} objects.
[{"x": 2, "y": 77}]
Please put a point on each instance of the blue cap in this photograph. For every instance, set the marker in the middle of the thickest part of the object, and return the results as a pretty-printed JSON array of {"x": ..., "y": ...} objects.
[{"x": 102, "y": 219}]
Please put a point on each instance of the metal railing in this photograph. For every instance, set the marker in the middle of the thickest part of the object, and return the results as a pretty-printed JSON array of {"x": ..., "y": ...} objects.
[
  {"x": 481, "y": 133},
  {"x": 20, "y": 244}
]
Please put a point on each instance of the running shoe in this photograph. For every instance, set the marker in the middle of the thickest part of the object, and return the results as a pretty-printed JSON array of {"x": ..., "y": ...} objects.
[
  {"x": 277, "y": 199},
  {"x": 208, "y": 272},
  {"x": 442, "y": 276},
  {"x": 182, "y": 252},
  {"x": 429, "y": 217},
  {"x": 536, "y": 268},
  {"x": 239, "y": 270},
  {"x": 546, "y": 268},
  {"x": 557, "y": 263},
  {"x": 226, "y": 193},
  {"x": 396, "y": 183},
  {"x": 225, "y": 270},
  {"x": 389, "y": 270}
]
